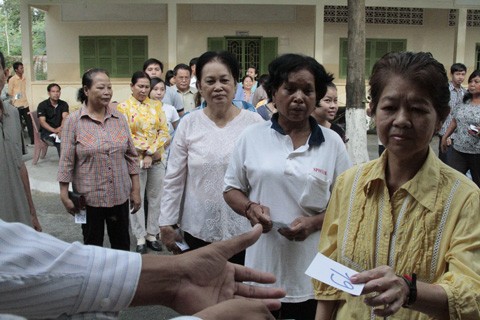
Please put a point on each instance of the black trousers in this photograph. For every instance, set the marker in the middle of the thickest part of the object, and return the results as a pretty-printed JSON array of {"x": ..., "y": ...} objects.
[
  {"x": 28, "y": 121},
  {"x": 117, "y": 222},
  {"x": 444, "y": 156},
  {"x": 195, "y": 243},
  {"x": 299, "y": 311},
  {"x": 466, "y": 161},
  {"x": 50, "y": 141}
]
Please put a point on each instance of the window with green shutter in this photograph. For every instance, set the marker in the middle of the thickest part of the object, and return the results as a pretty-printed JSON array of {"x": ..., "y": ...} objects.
[
  {"x": 121, "y": 56},
  {"x": 374, "y": 50}
]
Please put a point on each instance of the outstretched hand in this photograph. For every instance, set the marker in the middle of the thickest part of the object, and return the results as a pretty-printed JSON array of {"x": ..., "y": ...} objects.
[
  {"x": 201, "y": 278},
  {"x": 208, "y": 278}
]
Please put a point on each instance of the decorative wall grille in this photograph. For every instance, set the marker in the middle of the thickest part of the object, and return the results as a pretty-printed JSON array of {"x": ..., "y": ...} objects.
[
  {"x": 473, "y": 18},
  {"x": 377, "y": 15}
]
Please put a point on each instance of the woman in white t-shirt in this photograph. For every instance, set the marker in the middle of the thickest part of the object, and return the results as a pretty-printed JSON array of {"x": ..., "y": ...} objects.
[
  {"x": 281, "y": 174},
  {"x": 199, "y": 155},
  {"x": 157, "y": 92}
]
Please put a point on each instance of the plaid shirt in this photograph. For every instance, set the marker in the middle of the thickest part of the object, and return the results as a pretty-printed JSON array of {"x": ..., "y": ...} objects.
[{"x": 98, "y": 158}]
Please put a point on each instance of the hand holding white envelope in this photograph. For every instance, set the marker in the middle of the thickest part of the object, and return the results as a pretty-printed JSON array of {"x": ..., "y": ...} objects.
[{"x": 334, "y": 274}]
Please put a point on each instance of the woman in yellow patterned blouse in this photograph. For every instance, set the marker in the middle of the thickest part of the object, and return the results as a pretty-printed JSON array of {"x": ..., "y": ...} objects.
[
  {"x": 149, "y": 129},
  {"x": 405, "y": 215}
]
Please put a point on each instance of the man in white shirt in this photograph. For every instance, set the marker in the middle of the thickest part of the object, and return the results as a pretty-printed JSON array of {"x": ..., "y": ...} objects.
[{"x": 43, "y": 277}]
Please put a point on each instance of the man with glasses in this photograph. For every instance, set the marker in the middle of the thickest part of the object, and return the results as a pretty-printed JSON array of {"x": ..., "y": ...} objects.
[{"x": 183, "y": 73}]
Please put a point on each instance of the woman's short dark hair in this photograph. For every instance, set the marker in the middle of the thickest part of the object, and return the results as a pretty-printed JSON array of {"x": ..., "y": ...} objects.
[
  {"x": 87, "y": 81},
  {"x": 168, "y": 76},
  {"x": 247, "y": 76},
  {"x": 280, "y": 68},
  {"x": 331, "y": 85},
  {"x": 422, "y": 69},
  {"x": 154, "y": 82},
  {"x": 262, "y": 79},
  {"x": 468, "y": 96},
  {"x": 139, "y": 75},
  {"x": 223, "y": 57}
]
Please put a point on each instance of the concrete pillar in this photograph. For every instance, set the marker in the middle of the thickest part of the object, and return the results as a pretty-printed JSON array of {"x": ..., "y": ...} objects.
[
  {"x": 460, "y": 36},
  {"x": 172, "y": 35},
  {"x": 27, "y": 50},
  {"x": 319, "y": 30}
]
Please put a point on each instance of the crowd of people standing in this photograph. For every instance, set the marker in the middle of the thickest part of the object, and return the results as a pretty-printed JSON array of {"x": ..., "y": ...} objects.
[{"x": 189, "y": 161}]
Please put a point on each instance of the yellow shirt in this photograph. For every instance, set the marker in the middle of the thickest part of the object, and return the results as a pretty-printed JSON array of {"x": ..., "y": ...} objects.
[
  {"x": 148, "y": 124},
  {"x": 430, "y": 226},
  {"x": 17, "y": 90}
]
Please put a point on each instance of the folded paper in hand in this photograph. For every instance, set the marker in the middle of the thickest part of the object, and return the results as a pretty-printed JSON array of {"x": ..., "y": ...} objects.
[{"x": 57, "y": 138}]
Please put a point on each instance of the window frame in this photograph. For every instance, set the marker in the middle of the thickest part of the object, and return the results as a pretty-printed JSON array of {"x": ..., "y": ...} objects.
[
  {"x": 119, "y": 55},
  {"x": 371, "y": 53}
]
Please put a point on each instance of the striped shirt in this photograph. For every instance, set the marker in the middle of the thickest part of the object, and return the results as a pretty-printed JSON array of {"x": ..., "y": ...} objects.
[
  {"x": 98, "y": 157},
  {"x": 43, "y": 277}
]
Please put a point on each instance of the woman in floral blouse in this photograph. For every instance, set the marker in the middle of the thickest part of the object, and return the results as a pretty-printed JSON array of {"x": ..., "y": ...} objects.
[{"x": 149, "y": 129}]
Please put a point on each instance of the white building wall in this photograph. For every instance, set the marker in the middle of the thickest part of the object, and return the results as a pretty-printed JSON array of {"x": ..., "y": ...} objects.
[{"x": 295, "y": 35}]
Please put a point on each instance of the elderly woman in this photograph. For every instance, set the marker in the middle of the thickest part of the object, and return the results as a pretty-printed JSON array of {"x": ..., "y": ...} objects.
[
  {"x": 245, "y": 91},
  {"x": 465, "y": 154},
  {"x": 406, "y": 215},
  {"x": 199, "y": 155},
  {"x": 281, "y": 174},
  {"x": 149, "y": 129},
  {"x": 99, "y": 158}
]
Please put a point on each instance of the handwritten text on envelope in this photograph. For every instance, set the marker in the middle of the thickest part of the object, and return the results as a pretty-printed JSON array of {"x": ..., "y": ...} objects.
[{"x": 334, "y": 274}]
